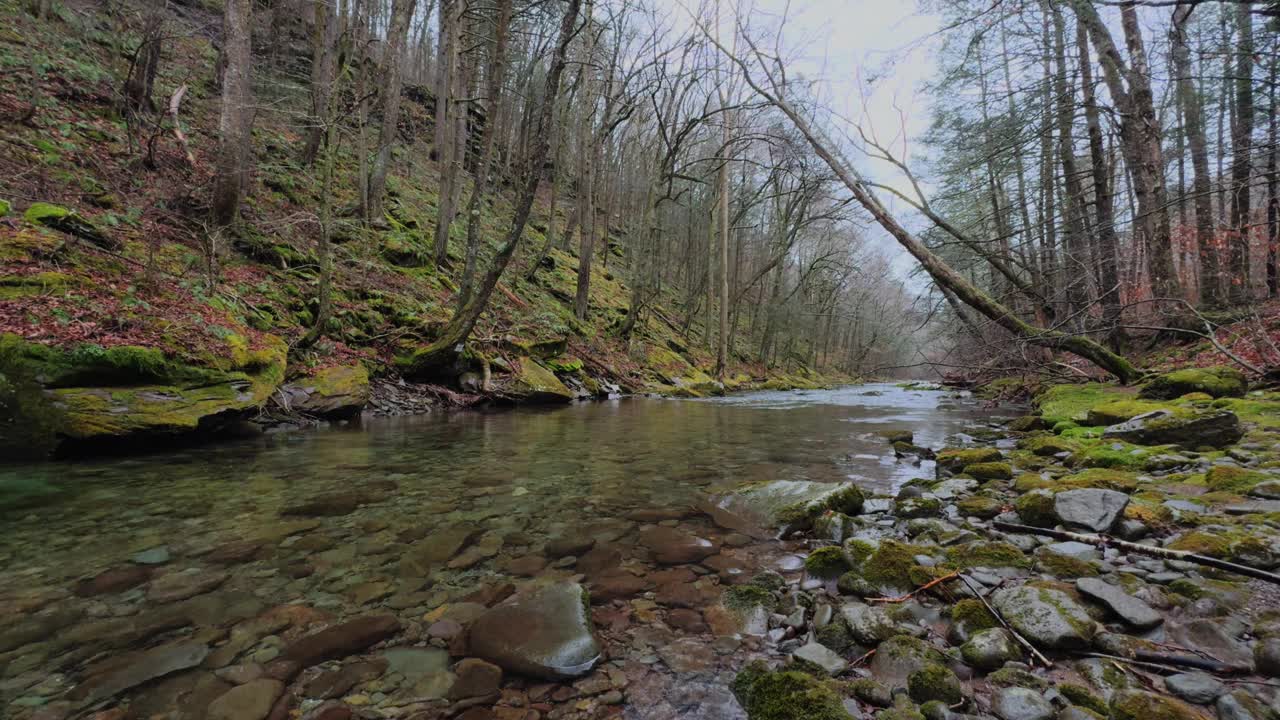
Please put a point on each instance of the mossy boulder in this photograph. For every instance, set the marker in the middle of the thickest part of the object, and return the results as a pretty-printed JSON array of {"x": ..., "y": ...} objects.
[
  {"x": 1118, "y": 411},
  {"x": 1046, "y": 445},
  {"x": 757, "y": 508},
  {"x": 1191, "y": 429},
  {"x": 987, "y": 554},
  {"x": 989, "y": 470},
  {"x": 1036, "y": 508},
  {"x": 900, "y": 656},
  {"x": 335, "y": 392},
  {"x": 1214, "y": 545},
  {"x": 786, "y": 695},
  {"x": 1216, "y": 382},
  {"x": 956, "y": 459},
  {"x": 1143, "y": 705},
  {"x": 827, "y": 563},
  {"x": 105, "y": 395},
  {"x": 70, "y": 222},
  {"x": 1225, "y": 478},
  {"x": 1071, "y": 403},
  {"x": 935, "y": 682},
  {"x": 532, "y": 383},
  {"x": 1046, "y": 616},
  {"x": 979, "y": 506}
]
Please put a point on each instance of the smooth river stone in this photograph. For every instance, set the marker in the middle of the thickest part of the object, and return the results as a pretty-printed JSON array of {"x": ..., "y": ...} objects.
[
  {"x": 145, "y": 667},
  {"x": 1129, "y": 608},
  {"x": 544, "y": 633},
  {"x": 676, "y": 547},
  {"x": 342, "y": 640}
]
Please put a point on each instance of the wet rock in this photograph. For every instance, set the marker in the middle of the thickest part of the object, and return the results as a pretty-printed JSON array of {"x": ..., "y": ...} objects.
[
  {"x": 990, "y": 649},
  {"x": 568, "y": 545},
  {"x": 1267, "y": 490},
  {"x": 251, "y": 701},
  {"x": 1162, "y": 427},
  {"x": 425, "y": 670},
  {"x": 341, "y": 640},
  {"x": 115, "y": 580},
  {"x": 435, "y": 549},
  {"x": 1130, "y": 609},
  {"x": 1015, "y": 703},
  {"x": 545, "y": 633},
  {"x": 527, "y": 565},
  {"x": 241, "y": 674},
  {"x": 822, "y": 656},
  {"x": 687, "y": 655},
  {"x": 328, "y": 505},
  {"x": 235, "y": 552},
  {"x": 1211, "y": 636},
  {"x": 1045, "y": 616},
  {"x": 183, "y": 585},
  {"x": 868, "y": 625},
  {"x": 1090, "y": 508},
  {"x": 1142, "y": 705},
  {"x": 687, "y": 620},
  {"x": 154, "y": 556},
  {"x": 1196, "y": 687},
  {"x": 1240, "y": 705},
  {"x": 475, "y": 678},
  {"x": 675, "y": 547},
  {"x": 599, "y": 560},
  {"x": 1266, "y": 655},
  {"x": 144, "y": 667},
  {"x": 617, "y": 586},
  {"x": 759, "y": 509},
  {"x": 900, "y": 656},
  {"x": 332, "y": 710}
]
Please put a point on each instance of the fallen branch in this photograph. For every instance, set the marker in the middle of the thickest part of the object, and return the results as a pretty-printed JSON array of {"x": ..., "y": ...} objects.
[
  {"x": 1103, "y": 541},
  {"x": 174, "y": 102},
  {"x": 903, "y": 598},
  {"x": 1171, "y": 663},
  {"x": 1016, "y": 635}
]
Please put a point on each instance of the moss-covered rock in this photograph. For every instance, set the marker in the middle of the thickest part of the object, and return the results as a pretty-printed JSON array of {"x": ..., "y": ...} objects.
[
  {"x": 917, "y": 507},
  {"x": 1082, "y": 696},
  {"x": 955, "y": 459},
  {"x": 1071, "y": 403},
  {"x": 1212, "y": 545},
  {"x": 1046, "y": 445},
  {"x": 973, "y": 614},
  {"x": 935, "y": 682},
  {"x": 827, "y": 563},
  {"x": 746, "y": 597},
  {"x": 1064, "y": 567},
  {"x": 69, "y": 222},
  {"x": 1217, "y": 382},
  {"x": 1225, "y": 478},
  {"x": 533, "y": 383},
  {"x": 1215, "y": 429},
  {"x": 786, "y": 695},
  {"x": 1142, "y": 705},
  {"x": 1036, "y": 508},
  {"x": 989, "y": 470},
  {"x": 335, "y": 392},
  {"x": 987, "y": 554},
  {"x": 1118, "y": 411},
  {"x": 979, "y": 506}
]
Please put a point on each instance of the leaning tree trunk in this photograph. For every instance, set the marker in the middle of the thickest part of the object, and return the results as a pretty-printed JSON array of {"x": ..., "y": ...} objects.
[
  {"x": 235, "y": 122},
  {"x": 442, "y": 353},
  {"x": 938, "y": 269}
]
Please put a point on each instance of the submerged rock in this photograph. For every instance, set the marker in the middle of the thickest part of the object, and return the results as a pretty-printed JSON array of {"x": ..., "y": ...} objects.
[
  {"x": 759, "y": 509},
  {"x": 145, "y": 667},
  {"x": 544, "y": 633},
  {"x": 676, "y": 547},
  {"x": 251, "y": 701},
  {"x": 341, "y": 640}
]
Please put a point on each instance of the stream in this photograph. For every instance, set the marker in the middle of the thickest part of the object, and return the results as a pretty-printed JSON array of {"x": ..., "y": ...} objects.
[{"x": 321, "y": 521}]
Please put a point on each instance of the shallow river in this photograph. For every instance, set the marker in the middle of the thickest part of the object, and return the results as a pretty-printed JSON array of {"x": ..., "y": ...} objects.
[{"x": 522, "y": 478}]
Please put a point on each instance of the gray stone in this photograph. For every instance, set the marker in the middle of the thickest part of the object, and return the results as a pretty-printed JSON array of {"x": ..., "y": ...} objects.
[
  {"x": 1197, "y": 687},
  {"x": 1015, "y": 703},
  {"x": 1090, "y": 508},
  {"x": 754, "y": 509},
  {"x": 900, "y": 656},
  {"x": 1130, "y": 609},
  {"x": 1073, "y": 549},
  {"x": 1269, "y": 490},
  {"x": 154, "y": 556},
  {"x": 868, "y": 625},
  {"x": 1240, "y": 705},
  {"x": 1266, "y": 656},
  {"x": 1161, "y": 427},
  {"x": 1210, "y": 636},
  {"x": 990, "y": 649},
  {"x": 1045, "y": 616},
  {"x": 545, "y": 633},
  {"x": 823, "y": 657}
]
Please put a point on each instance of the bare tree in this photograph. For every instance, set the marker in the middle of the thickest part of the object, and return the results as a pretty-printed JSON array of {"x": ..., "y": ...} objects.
[{"x": 235, "y": 122}]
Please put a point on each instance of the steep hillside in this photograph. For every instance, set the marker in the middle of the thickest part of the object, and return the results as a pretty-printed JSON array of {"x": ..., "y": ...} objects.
[{"x": 118, "y": 320}]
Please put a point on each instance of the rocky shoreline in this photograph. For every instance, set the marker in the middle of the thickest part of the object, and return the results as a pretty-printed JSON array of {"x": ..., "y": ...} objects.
[{"x": 777, "y": 599}]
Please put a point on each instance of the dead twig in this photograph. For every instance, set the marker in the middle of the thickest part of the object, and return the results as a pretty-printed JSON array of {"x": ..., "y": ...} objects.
[
  {"x": 175, "y": 101},
  {"x": 903, "y": 598}
]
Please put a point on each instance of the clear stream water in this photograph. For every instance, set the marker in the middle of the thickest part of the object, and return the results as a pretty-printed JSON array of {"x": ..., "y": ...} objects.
[{"x": 525, "y": 476}]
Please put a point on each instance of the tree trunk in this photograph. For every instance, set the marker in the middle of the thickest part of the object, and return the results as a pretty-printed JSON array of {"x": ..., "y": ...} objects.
[
  {"x": 324, "y": 40},
  {"x": 448, "y": 98},
  {"x": 1273, "y": 180},
  {"x": 235, "y": 121},
  {"x": 1238, "y": 291},
  {"x": 397, "y": 32},
  {"x": 444, "y": 351},
  {"x": 1202, "y": 189}
]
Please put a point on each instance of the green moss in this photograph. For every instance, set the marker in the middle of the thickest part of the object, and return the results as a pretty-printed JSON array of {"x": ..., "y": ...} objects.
[
  {"x": 564, "y": 364},
  {"x": 1065, "y": 566},
  {"x": 1046, "y": 445},
  {"x": 858, "y": 551},
  {"x": 1083, "y": 697},
  {"x": 746, "y": 597},
  {"x": 1202, "y": 543},
  {"x": 1118, "y": 411},
  {"x": 979, "y": 506},
  {"x": 987, "y": 554},
  {"x": 5, "y": 207},
  {"x": 1218, "y": 382},
  {"x": 769, "y": 580},
  {"x": 826, "y": 563},
  {"x": 1188, "y": 589},
  {"x": 40, "y": 213},
  {"x": 1141, "y": 705},
  {"x": 1106, "y": 478},
  {"x": 835, "y": 635},
  {"x": 786, "y": 695},
  {"x": 1036, "y": 508},
  {"x": 934, "y": 682},
  {"x": 1225, "y": 478},
  {"x": 1026, "y": 482},
  {"x": 1027, "y": 423},
  {"x": 973, "y": 614},
  {"x": 891, "y": 565},
  {"x": 1071, "y": 403},
  {"x": 955, "y": 459},
  {"x": 849, "y": 500},
  {"x": 917, "y": 507},
  {"x": 989, "y": 471},
  {"x": 1017, "y": 677}
]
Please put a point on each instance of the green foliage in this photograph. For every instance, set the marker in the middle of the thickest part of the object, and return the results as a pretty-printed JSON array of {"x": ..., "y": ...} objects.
[
  {"x": 29, "y": 419},
  {"x": 786, "y": 695}
]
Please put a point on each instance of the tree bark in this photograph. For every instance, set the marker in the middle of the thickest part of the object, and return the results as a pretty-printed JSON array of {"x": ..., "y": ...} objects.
[
  {"x": 397, "y": 32},
  {"x": 235, "y": 121},
  {"x": 1241, "y": 156}
]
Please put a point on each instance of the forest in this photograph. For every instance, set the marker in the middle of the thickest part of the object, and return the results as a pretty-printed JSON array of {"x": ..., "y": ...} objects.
[{"x": 645, "y": 359}]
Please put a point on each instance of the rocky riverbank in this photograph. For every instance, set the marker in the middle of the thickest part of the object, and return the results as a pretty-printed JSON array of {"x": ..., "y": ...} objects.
[
  {"x": 924, "y": 607},
  {"x": 775, "y": 599}
]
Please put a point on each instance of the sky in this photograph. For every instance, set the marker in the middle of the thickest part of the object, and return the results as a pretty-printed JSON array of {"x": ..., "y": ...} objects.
[{"x": 871, "y": 58}]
